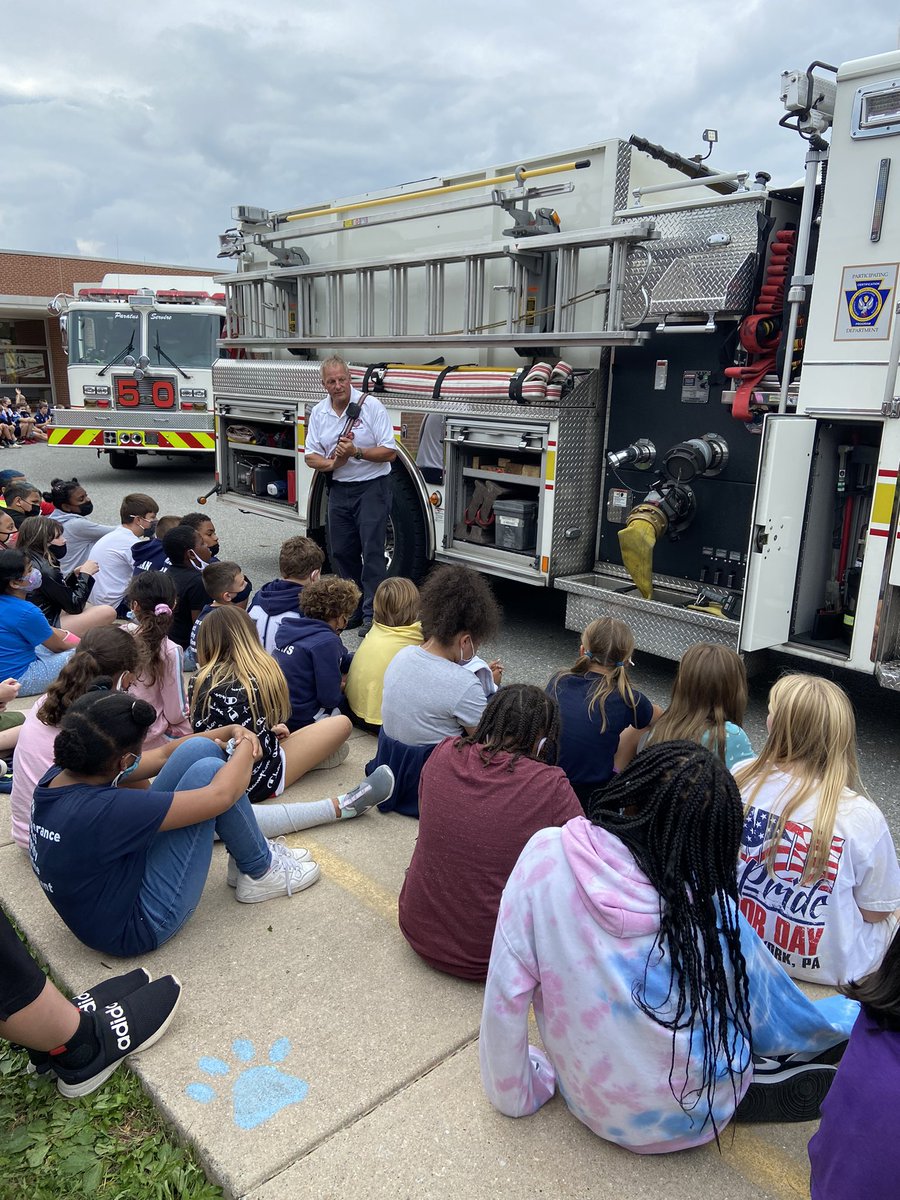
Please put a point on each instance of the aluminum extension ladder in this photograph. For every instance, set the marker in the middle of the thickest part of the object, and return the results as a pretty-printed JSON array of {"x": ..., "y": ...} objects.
[{"x": 367, "y": 304}]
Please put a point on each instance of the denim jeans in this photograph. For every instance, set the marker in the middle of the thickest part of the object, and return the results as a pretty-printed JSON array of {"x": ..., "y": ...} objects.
[{"x": 178, "y": 859}]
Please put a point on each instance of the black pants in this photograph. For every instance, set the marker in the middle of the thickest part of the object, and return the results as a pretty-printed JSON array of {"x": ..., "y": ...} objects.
[
  {"x": 21, "y": 979},
  {"x": 357, "y": 523}
]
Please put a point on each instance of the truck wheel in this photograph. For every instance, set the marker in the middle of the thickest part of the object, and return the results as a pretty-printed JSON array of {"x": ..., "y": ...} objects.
[
  {"x": 406, "y": 543},
  {"x": 123, "y": 460}
]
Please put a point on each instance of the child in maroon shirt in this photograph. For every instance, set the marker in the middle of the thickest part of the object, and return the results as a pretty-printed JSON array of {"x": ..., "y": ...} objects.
[{"x": 481, "y": 797}]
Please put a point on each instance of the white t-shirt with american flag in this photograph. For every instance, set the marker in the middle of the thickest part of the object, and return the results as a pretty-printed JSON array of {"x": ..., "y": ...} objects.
[{"x": 816, "y": 930}]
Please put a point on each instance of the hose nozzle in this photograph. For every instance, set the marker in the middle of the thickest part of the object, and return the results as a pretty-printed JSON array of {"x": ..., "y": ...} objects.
[{"x": 640, "y": 454}]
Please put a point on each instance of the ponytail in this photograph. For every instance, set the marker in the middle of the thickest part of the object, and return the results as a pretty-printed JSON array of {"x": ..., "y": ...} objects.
[
  {"x": 101, "y": 655},
  {"x": 154, "y": 593}
]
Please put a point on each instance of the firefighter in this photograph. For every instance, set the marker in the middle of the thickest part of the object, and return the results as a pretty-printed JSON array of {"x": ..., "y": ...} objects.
[{"x": 351, "y": 441}]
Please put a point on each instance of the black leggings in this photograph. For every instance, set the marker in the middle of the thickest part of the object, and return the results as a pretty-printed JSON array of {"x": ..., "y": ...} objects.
[{"x": 21, "y": 979}]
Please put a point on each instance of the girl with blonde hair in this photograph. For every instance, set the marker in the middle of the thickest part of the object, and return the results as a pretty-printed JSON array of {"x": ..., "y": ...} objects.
[
  {"x": 235, "y": 674},
  {"x": 597, "y": 704},
  {"x": 818, "y": 875},
  {"x": 395, "y": 624},
  {"x": 709, "y": 700},
  {"x": 236, "y": 677}
]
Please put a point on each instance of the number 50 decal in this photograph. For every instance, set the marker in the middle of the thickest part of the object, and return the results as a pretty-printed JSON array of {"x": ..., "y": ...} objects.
[{"x": 162, "y": 392}]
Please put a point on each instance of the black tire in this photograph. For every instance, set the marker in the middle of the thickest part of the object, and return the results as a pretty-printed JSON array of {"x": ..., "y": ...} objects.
[
  {"x": 123, "y": 460},
  {"x": 406, "y": 543}
]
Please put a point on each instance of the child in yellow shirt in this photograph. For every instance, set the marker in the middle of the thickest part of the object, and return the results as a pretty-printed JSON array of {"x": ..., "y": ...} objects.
[{"x": 395, "y": 625}]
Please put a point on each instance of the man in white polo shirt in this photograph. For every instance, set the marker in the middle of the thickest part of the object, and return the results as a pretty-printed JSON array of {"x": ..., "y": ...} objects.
[
  {"x": 112, "y": 552},
  {"x": 355, "y": 455}
]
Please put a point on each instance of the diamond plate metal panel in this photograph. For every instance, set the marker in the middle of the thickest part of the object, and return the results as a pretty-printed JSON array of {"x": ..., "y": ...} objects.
[
  {"x": 282, "y": 379},
  {"x": 578, "y": 471},
  {"x": 684, "y": 234},
  {"x": 79, "y": 418},
  {"x": 659, "y": 628},
  {"x": 623, "y": 176},
  {"x": 721, "y": 281}
]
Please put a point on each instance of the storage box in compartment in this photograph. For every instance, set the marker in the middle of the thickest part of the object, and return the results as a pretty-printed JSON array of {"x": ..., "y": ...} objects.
[{"x": 516, "y": 525}]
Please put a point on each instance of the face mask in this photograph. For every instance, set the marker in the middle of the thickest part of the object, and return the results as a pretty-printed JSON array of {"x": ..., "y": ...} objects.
[
  {"x": 129, "y": 770},
  {"x": 150, "y": 530},
  {"x": 59, "y": 549},
  {"x": 35, "y": 510},
  {"x": 32, "y": 580},
  {"x": 214, "y": 549},
  {"x": 464, "y": 661},
  {"x": 198, "y": 561},
  {"x": 85, "y": 510},
  {"x": 119, "y": 685}
]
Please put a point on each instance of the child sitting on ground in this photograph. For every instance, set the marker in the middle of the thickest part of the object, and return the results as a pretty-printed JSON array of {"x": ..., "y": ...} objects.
[
  {"x": 395, "y": 625},
  {"x": 651, "y": 992},
  {"x": 428, "y": 692},
  {"x": 237, "y": 682},
  {"x": 597, "y": 703},
  {"x": 310, "y": 652},
  {"x": 818, "y": 878},
  {"x": 855, "y": 1151},
  {"x": 485, "y": 795},
  {"x": 224, "y": 581},
  {"x": 151, "y": 598},
  {"x": 709, "y": 700},
  {"x": 300, "y": 563},
  {"x": 108, "y": 657},
  {"x": 148, "y": 552}
]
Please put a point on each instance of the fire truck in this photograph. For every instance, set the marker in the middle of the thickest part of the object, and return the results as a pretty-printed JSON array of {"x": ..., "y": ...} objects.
[
  {"x": 140, "y": 350},
  {"x": 673, "y": 394}
]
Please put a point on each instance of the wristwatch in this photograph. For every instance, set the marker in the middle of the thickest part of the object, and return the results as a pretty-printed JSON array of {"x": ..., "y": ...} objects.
[{"x": 357, "y": 454}]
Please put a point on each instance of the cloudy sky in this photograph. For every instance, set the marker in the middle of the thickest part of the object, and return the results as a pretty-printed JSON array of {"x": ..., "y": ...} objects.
[{"x": 130, "y": 130}]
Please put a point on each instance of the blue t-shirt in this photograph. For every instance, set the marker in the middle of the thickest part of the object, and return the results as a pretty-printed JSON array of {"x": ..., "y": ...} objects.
[
  {"x": 22, "y": 627},
  {"x": 88, "y": 848},
  {"x": 586, "y": 752},
  {"x": 737, "y": 744}
]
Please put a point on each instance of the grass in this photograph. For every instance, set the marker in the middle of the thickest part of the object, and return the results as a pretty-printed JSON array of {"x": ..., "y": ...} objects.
[{"x": 109, "y": 1146}]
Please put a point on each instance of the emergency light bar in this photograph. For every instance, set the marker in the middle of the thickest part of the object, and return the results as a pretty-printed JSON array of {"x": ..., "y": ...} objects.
[{"x": 145, "y": 297}]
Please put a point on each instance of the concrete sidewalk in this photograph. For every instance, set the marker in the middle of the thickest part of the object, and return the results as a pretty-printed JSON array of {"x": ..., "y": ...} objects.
[{"x": 315, "y": 1055}]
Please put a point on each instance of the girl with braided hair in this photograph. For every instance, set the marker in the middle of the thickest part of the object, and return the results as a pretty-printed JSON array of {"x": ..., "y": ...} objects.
[
  {"x": 106, "y": 658},
  {"x": 818, "y": 875},
  {"x": 597, "y": 704},
  {"x": 484, "y": 794},
  {"x": 648, "y": 986}
]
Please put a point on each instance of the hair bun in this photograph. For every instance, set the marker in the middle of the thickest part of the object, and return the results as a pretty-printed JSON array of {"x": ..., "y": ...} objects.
[{"x": 142, "y": 713}]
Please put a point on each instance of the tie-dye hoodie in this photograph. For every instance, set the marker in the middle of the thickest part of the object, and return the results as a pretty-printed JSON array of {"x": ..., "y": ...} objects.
[{"x": 576, "y": 927}]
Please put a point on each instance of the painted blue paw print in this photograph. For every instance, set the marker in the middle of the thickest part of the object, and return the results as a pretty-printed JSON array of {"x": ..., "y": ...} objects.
[{"x": 258, "y": 1093}]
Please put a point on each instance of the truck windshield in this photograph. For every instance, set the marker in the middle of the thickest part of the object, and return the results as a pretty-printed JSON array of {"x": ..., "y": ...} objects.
[
  {"x": 188, "y": 338},
  {"x": 95, "y": 337}
]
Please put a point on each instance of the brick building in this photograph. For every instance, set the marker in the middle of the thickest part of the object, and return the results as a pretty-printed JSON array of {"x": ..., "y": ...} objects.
[{"x": 31, "y": 352}]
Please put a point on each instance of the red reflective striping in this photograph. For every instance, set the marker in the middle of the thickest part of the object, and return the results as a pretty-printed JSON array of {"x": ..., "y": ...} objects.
[
  {"x": 549, "y": 487},
  {"x": 888, "y": 474},
  {"x": 879, "y": 533},
  {"x": 551, "y": 443},
  {"x": 71, "y": 436}
]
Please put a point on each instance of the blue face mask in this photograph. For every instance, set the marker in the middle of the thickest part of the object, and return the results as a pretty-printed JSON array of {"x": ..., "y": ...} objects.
[{"x": 129, "y": 770}]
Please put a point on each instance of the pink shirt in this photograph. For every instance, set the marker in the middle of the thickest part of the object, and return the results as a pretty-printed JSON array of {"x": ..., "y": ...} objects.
[
  {"x": 167, "y": 695},
  {"x": 34, "y": 758}
]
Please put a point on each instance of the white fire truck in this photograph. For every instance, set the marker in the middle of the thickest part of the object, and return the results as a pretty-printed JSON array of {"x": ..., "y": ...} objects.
[
  {"x": 140, "y": 349},
  {"x": 674, "y": 395}
]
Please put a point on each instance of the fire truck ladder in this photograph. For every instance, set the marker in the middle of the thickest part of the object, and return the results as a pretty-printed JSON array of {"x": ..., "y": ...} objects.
[{"x": 369, "y": 304}]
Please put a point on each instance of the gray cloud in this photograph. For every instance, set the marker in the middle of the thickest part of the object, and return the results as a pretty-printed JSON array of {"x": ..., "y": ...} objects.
[{"x": 132, "y": 130}]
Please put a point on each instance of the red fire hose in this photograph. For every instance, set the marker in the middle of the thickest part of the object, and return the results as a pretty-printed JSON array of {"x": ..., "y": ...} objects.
[{"x": 760, "y": 333}]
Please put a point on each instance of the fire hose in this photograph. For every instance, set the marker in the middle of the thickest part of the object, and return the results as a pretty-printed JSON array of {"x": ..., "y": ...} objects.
[{"x": 760, "y": 333}]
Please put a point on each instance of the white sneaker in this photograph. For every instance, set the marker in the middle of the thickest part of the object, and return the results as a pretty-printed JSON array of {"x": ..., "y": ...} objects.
[
  {"x": 286, "y": 875},
  {"x": 299, "y": 852}
]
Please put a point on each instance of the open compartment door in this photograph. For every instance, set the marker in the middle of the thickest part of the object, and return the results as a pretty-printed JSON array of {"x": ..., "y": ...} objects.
[{"x": 772, "y": 560}]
